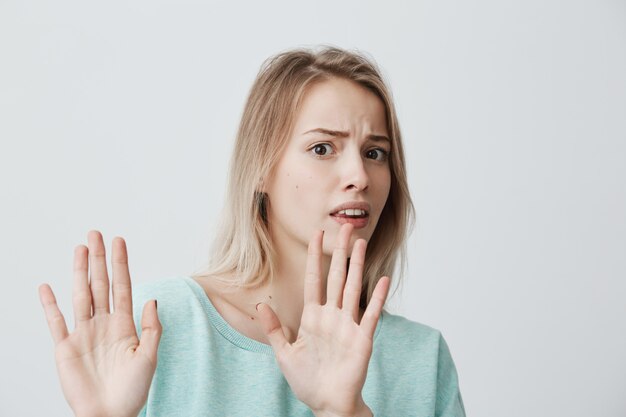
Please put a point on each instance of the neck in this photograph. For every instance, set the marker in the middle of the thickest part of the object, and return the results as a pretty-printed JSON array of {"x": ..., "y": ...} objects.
[
  {"x": 285, "y": 293},
  {"x": 287, "y": 286}
]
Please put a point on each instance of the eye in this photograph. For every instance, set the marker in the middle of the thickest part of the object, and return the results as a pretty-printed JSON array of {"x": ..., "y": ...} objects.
[
  {"x": 378, "y": 154},
  {"x": 322, "y": 149}
]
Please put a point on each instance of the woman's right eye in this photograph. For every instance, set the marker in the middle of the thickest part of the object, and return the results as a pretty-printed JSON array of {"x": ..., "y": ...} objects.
[{"x": 322, "y": 149}]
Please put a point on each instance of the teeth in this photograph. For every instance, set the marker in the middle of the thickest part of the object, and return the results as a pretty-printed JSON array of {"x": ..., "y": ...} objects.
[{"x": 352, "y": 212}]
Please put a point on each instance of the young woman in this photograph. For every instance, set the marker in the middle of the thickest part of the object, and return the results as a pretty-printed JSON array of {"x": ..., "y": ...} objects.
[{"x": 287, "y": 319}]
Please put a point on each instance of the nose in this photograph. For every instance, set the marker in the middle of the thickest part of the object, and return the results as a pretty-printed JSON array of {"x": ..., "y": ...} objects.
[{"x": 355, "y": 174}]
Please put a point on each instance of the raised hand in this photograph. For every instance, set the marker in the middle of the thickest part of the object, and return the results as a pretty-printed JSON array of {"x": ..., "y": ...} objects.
[
  {"x": 327, "y": 364},
  {"x": 103, "y": 367}
]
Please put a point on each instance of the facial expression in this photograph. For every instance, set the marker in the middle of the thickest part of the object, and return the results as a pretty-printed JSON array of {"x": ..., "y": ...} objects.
[{"x": 337, "y": 154}]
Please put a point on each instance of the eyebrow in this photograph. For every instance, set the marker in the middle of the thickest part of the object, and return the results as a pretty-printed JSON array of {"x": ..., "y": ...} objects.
[{"x": 341, "y": 134}]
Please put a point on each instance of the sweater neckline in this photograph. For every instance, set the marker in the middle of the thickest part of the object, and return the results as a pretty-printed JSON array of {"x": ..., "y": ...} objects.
[{"x": 232, "y": 335}]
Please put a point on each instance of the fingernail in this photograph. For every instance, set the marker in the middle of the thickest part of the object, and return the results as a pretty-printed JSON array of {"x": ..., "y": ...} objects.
[
  {"x": 155, "y": 304},
  {"x": 257, "y": 306}
]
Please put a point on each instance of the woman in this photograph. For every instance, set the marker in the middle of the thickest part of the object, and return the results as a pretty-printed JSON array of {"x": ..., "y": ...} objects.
[{"x": 287, "y": 318}]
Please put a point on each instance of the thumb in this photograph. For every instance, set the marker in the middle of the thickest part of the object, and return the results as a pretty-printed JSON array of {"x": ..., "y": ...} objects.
[
  {"x": 150, "y": 331},
  {"x": 272, "y": 328}
]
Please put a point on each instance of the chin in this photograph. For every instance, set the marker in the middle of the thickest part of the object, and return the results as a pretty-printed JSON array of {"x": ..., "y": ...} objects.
[{"x": 328, "y": 245}]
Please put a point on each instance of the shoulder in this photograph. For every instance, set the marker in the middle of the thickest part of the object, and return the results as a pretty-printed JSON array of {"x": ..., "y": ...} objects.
[
  {"x": 399, "y": 328},
  {"x": 413, "y": 354},
  {"x": 176, "y": 296},
  {"x": 412, "y": 344},
  {"x": 163, "y": 290},
  {"x": 402, "y": 337}
]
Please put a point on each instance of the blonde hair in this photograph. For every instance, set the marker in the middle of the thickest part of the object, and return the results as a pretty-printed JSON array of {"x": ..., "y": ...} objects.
[{"x": 242, "y": 245}]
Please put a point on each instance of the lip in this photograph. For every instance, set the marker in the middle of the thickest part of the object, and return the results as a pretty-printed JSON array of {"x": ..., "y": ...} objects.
[
  {"x": 357, "y": 222},
  {"x": 361, "y": 205}
]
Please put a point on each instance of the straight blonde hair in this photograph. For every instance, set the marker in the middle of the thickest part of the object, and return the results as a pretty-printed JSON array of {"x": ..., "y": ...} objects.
[{"x": 242, "y": 247}]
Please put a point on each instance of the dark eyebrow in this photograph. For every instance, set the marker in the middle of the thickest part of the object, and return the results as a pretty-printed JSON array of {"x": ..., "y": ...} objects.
[{"x": 340, "y": 134}]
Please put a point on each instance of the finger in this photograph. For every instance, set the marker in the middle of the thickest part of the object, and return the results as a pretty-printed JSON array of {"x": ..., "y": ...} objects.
[
  {"x": 81, "y": 295},
  {"x": 272, "y": 328},
  {"x": 151, "y": 330},
  {"x": 354, "y": 282},
  {"x": 56, "y": 321},
  {"x": 99, "y": 278},
  {"x": 313, "y": 275},
  {"x": 375, "y": 306},
  {"x": 337, "y": 271},
  {"x": 122, "y": 291}
]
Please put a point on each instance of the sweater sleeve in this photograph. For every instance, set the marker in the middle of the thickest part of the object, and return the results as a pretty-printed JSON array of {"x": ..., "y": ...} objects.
[{"x": 449, "y": 401}]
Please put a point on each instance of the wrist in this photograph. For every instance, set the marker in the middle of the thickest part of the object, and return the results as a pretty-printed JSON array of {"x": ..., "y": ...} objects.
[{"x": 362, "y": 411}]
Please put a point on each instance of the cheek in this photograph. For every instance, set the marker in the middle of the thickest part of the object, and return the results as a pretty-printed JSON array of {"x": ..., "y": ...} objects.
[
  {"x": 294, "y": 187},
  {"x": 383, "y": 187},
  {"x": 304, "y": 180},
  {"x": 302, "y": 187},
  {"x": 387, "y": 186}
]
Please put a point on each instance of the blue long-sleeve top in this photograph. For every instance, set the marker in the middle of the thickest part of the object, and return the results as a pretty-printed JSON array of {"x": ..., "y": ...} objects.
[{"x": 207, "y": 368}]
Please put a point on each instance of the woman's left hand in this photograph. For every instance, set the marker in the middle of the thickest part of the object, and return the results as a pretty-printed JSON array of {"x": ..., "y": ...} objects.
[{"x": 327, "y": 364}]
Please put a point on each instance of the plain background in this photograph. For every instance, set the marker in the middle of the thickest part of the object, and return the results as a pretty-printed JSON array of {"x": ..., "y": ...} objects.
[{"x": 120, "y": 116}]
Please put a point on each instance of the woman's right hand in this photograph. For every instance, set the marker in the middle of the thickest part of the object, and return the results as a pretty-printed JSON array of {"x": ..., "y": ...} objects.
[{"x": 105, "y": 370}]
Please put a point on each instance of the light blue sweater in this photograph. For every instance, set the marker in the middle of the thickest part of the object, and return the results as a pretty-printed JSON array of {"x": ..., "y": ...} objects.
[{"x": 206, "y": 368}]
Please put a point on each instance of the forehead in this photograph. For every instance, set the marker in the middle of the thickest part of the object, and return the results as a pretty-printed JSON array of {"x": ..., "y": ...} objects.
[{"x": 340, "y": 104}]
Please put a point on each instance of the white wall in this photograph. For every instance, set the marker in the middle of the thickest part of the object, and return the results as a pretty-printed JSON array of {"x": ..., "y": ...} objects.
[{"x": 120, "y": 116}]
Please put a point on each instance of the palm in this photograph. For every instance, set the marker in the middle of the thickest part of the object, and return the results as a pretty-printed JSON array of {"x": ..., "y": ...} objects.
[
  {"x": 103, "y": 368},
  {"x": 102, "y": 356},
  {"x": 327, "y": 365},
  {"x": 329, "y": 357}
]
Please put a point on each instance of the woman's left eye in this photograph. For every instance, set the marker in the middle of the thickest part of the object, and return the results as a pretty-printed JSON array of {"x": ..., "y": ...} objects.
[{"x": 377, "y": 153}]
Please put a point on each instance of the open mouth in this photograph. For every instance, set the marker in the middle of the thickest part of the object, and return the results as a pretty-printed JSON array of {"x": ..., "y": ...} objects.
[
  {"x": 351, "y": 213},
  {"x": 357, "y": 217}
]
